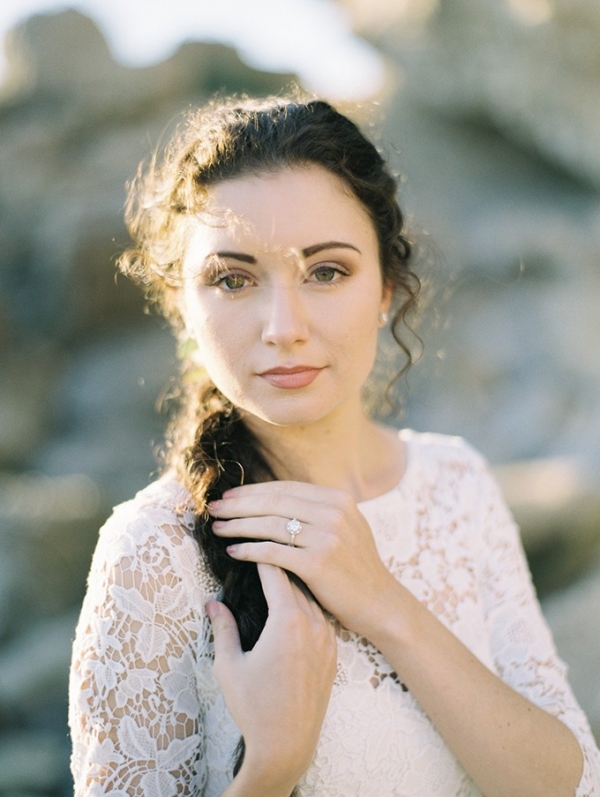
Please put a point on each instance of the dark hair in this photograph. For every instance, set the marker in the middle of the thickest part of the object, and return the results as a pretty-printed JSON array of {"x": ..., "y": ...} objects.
[{"x": 209, "y": 445}]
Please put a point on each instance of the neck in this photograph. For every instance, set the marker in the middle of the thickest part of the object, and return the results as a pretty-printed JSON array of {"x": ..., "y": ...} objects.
[{"x": 348, "y": 452}]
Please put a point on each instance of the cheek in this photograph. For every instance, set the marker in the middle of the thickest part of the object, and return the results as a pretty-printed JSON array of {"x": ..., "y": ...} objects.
[
  {"x": 218, "y": 343},
  {"x": 225, "y": 344},
  {"x": 353, "y": 337},
  {"x": 360, "y": 317}
]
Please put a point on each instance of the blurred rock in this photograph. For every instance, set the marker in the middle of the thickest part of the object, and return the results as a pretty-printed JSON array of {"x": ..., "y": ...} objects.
[
  {"x": 573, "y": 617},
  {"x": 557, "y": 509},
  {"x": 31, "y": 764},
  {"x": 106, "y": 413},
  {"x": 27, "y": 378},
  {"x": 531, "y": 68},
  {"x": 512, "y": 362},
  {"x": 48, "y": 530},
  {"x": 28, "y": 690}
]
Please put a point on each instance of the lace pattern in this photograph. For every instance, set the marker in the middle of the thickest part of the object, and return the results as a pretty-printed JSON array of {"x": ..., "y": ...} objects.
[{"x": 146, "y": 714}]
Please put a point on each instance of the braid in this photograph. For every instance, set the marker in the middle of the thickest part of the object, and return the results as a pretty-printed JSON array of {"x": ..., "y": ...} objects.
[{"x": 225, "y": 454}]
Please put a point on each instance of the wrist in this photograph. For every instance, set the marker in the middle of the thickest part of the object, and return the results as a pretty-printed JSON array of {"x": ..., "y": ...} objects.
[
  {"x": 259, "y": 777},
  {"x": 394, "y": 619}
]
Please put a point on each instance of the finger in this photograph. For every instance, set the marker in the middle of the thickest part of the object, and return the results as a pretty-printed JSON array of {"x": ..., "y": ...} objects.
[
  {"x": 225, "y": 631},
  {"x": 305, "y": 597},
  {"x": 303, "y": 594},
  {"x": 276, "y": 585},
  {"x": 295, "y": 591},
  {"x": 271, "y": 553},
  {"x": 309, "y": 604},
  {"x": 264, "y": 505},
  {"x": 260, "y": 528},
  {"x": 295, "y": 489}
]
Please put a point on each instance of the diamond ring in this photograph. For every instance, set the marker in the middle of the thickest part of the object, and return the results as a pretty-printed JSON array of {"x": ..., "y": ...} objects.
[{"x": 293, "y": 528}]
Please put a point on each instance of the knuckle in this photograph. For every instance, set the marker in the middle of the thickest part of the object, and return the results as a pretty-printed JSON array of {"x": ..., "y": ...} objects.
[
  {"x": 255, "y": 552},
  {"x": 336, "y": 516},
  {"x": 266, "y": 552},
  {"x": 296, "y": 627},
  {"x": 340, "y": 499},
  {"x": 269, "y": 503},
  {"x": 346, "y": 501},
  {"x": 332, "y": 544},
  {"x": 280, "y": 486}
]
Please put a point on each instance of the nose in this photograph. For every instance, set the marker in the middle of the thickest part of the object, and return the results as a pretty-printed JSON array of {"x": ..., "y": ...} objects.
[{"x": 285, "y": 321}]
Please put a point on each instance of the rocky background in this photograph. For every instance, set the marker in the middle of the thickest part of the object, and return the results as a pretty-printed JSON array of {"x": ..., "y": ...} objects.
[{"x": 492, "y": 113}]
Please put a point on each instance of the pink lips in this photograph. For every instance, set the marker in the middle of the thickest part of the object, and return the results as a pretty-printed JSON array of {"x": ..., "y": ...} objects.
[{"x": 298, "y": 376}]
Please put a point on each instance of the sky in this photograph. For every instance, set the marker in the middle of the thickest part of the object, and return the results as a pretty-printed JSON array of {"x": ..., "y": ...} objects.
[{"x": 312, "y": 38}]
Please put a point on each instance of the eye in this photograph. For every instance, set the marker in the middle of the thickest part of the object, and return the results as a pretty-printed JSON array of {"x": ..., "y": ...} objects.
[
  {"x": 327, "y": 273},
  {"x": 232, "y": 282}
]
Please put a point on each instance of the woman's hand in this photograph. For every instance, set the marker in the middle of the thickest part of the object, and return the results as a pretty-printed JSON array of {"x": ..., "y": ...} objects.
[
  {"x": 278, "y": 692},
  {"x": 334, "y": 554}
]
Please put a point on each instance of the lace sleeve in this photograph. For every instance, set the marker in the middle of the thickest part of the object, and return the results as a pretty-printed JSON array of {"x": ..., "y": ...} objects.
[
  {"x": 135, "y": 713},
  {"x": 522, "y": 645}
]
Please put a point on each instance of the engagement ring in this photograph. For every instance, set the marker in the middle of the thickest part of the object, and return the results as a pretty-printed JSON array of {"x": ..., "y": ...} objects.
[{"x": 293, "y": 527}]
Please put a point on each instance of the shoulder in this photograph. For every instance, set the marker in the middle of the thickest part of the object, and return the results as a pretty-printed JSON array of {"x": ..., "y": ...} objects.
[
  {"x": 164, "y": 498},
  {"x": 162, "y": 509},
  {"x": 447, "y": 471},
  {"x": 153, "y": 532},
  {"x": 431, "y": 449},
  {"x": 450, "y": 481}
]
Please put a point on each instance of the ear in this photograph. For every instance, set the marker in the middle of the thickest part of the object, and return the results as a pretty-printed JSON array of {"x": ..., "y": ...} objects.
[{"x": 387, "y": 295}]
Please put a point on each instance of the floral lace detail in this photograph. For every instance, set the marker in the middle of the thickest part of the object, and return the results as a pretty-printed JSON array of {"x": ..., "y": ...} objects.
[{"x": 146, "y": 714}]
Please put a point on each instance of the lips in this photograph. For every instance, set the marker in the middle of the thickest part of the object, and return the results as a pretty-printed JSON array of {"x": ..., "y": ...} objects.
[{"x": 293, "y": 377}]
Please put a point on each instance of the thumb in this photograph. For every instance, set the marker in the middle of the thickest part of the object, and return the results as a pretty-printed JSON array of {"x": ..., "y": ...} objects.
[{"x": 225, "y": 631}]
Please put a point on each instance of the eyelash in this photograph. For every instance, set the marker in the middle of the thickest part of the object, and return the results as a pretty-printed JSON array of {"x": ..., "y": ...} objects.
[{"x": 219, "y": 280}]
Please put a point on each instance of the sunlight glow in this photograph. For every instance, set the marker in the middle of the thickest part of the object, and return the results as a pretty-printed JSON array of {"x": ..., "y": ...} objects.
[
  {"x": 532, "y": 12},
  {"x": 312, "y": 38}
]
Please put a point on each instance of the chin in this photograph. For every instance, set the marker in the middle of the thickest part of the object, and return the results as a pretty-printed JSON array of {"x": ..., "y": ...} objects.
[
  {"x": 286, "y": 419},
  {"x": 292, "y": 412}
]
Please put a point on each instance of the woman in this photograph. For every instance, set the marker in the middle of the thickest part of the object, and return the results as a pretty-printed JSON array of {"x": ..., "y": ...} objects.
[{"x": 389, "y": 641}]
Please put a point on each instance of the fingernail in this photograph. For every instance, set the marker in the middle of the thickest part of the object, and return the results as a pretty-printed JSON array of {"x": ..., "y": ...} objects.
[
  {"x": 232, "y": 550},
  {"x": 218, "y": 524},
  {"x": 212, "y": 505}
]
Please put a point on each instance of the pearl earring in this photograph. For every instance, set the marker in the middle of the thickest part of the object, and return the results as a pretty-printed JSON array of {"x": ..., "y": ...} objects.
[{"x": 383, "y": 318}]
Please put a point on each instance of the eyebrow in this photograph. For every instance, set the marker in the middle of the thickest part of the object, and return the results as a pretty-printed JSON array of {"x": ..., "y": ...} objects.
[
  {"x": 244, "y": 258},
  {"x": 307, "y": 252},
  {"x": 312, "y": 250}
]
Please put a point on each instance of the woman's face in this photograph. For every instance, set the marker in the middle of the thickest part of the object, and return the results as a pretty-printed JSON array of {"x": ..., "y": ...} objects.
[{"x": 282, "y": 292}]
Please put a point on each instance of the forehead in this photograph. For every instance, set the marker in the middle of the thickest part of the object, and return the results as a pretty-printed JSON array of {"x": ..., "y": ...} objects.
[{"x": 288, "y": 211}]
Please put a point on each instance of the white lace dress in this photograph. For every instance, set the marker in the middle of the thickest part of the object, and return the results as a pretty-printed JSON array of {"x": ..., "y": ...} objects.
[{"x": 146, "y": 714}]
